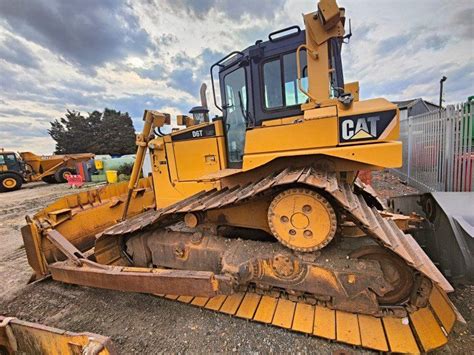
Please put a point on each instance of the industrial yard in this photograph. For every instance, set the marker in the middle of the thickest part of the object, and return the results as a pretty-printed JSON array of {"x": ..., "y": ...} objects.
[{"x": 274, "y": 176}]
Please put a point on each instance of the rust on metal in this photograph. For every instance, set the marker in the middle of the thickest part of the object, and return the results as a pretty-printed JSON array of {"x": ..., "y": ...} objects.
[
  {"x": 20, "y": 337},
  {"x": 367, "y": 219},
  {"x": 155, "y": 281}
]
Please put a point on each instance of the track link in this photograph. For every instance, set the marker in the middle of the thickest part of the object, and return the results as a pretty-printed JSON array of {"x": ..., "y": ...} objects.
[{"x": 424, "y": 330}]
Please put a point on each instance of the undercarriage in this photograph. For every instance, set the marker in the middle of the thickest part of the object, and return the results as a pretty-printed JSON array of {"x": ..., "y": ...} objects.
[{"x": 364, "y": 274}]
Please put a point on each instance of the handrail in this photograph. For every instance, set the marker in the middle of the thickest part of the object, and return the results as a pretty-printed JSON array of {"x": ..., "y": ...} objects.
[
  {"x": 298, "y": 68},
  {"x": 218, "y": 63},
  {"x": 295, "y": 27}
]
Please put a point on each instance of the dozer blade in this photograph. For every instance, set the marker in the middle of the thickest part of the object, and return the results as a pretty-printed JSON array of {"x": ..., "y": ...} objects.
[
  {"x": 20, "y": 337},
  {"x": 424, "y": 330},
  {"x": 80, "y": 217}
]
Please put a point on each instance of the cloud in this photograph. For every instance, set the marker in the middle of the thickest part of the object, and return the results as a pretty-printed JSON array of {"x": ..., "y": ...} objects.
[
  {"x": 412, "y": 41},
  {"x": 15, "y": 112},
  {"x": 435, "y": 41},
  {"x": 155, "y": 72},
  {"x": 16, "y": 52},
  {"x": 86, "y": 32},
  {"x": 132, "y": 55},
  {"x": 11, "y": 129},
  {"x": 232, "y": 9},
  {"x": 462, "y": 22},
  {"x": 185, "y": 80}
]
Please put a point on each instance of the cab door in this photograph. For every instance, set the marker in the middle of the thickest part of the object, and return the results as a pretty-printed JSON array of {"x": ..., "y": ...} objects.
[
  {"x": 10, "y": 160},
  {"x": 235, "y": 111}
]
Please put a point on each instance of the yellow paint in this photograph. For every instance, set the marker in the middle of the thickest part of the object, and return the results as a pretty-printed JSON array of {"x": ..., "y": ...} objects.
[
  {"x": 443, "y": 309},
  {"x": 304, "y": 318},
  {"x": 347, "y": 328},
  {"x": 185, "y": 299},
  {"x": 427, "y": 329},
  {"x": 300, "y": 219},
  {"x": 371, "y": 333},
  {"x": 199, "y": 301},
  {"x": 238, "y": 215},
  {"x": 284, "y": 312},
  {"x": 248, "y": 306},
  {"x": 399, "y": 335},
  {"x": 232, "y": 303},
  {"x": 190, "y": 157},
  {"x": 112, "y": 176},
  {"x": 324, "y": 322},
  {"x": 377, "y": 155},
  {"x": 9, "y": 183},
  {"x": 352, "y": 88},
  {"x": 382, "y": 334},
  {"x": 216, "y": 302},
  {"x": 91, "y": 212},
  {"x": 298, "y": 135},
  {"x": 37, "y": 338},
  {"x": 266, "y": 309},
  {"x": 171, "y": 297}
]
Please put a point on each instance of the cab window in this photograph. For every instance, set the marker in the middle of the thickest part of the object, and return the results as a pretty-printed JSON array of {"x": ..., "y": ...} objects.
[
  {"x": 280, "y": 81},
  {"x": 235, "y": 114},
  {"x": 2, "y": 159}
]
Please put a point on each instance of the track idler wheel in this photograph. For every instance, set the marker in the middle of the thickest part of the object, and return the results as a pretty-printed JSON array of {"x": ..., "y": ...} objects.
[
  {"x": 396, "y": 272},
  {"x": 302, "y": 219}
]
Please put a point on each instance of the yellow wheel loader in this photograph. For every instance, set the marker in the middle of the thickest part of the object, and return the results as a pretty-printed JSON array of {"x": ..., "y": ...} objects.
[{"x": 259, "y": 212}]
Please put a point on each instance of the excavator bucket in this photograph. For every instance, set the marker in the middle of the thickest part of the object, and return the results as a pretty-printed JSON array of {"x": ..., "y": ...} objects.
[{"x": 20, "y": 337}]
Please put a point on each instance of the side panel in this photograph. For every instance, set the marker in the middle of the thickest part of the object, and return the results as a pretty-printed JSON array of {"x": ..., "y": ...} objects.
[
  {"x": 196, "y": 157},
  {"x": 372, "y": 125},
  {"x": 182, "y": 159},
  {"x": 297, "y": 134}
]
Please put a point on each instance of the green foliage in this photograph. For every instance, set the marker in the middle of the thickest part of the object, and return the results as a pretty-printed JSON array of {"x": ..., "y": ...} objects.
[
  {"x": 125, "y": 169},
  {"x": 110, "y": 132}
]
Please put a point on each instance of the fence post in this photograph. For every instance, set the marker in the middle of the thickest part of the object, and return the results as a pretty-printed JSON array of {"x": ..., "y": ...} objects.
[
  {"x": 449, "y": 149},
  {"x": 408, "y": 162}
]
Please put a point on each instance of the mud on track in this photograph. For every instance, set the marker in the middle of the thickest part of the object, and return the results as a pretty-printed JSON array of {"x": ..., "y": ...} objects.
[{"x": 145, "y": 324}]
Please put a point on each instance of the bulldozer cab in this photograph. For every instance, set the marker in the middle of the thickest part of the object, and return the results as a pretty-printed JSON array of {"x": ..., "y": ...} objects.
[
  {"x": 279, "y": 98},
  {"x": 258, "y": 84},
  {"x": 270, "y": 80}
]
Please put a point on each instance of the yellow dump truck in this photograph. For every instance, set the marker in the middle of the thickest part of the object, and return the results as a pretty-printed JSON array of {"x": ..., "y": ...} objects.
[{"x": 19, "y": 168}]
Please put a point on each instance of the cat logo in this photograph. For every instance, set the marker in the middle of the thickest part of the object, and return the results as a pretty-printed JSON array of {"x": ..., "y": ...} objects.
[{"x": 364, "y": 127}]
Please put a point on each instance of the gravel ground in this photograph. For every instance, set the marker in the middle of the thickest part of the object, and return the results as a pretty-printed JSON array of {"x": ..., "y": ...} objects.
[{"x": 146, "y": 324}]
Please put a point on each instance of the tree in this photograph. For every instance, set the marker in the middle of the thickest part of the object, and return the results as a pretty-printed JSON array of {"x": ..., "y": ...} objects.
[{"x": 110, "y": 132}]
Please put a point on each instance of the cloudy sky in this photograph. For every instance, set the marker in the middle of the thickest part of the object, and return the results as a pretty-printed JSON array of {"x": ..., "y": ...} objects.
[{"x": 132, "y": 55}]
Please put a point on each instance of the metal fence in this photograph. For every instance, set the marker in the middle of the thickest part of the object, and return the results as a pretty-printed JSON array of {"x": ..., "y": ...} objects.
[{"x": 438, "y": 149}]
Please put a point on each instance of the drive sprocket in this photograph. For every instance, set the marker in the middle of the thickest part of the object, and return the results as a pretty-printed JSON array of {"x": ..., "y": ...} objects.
[{"x": 302, "y": 219}]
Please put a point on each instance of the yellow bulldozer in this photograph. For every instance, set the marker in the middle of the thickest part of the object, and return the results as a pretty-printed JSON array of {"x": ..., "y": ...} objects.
[
  {"x": 16, "y": 169},
  {"x": 259, "y": 213}
]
